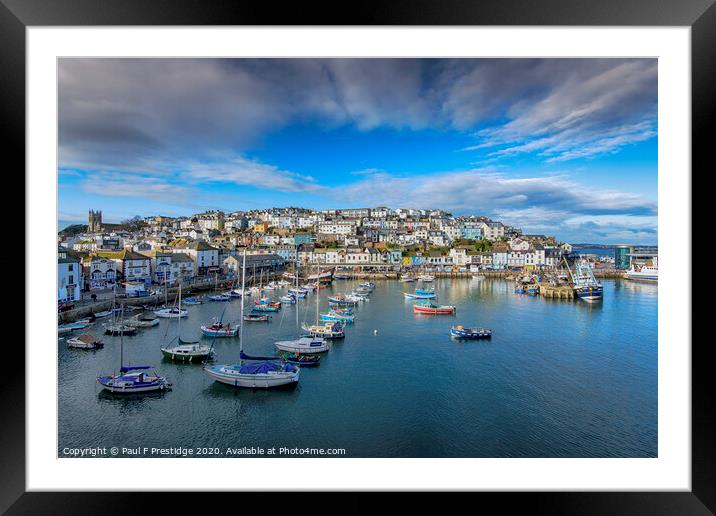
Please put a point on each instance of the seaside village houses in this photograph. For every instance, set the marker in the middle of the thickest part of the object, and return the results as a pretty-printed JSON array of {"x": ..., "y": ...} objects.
[{"x": 160, "y": 250}]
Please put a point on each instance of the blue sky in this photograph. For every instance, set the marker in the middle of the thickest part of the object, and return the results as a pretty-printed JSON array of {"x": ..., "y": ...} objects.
[{"x": 558, "y": 146}]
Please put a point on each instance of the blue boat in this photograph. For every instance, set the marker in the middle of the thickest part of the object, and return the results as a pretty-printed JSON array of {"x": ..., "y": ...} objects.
[
  {"x": 333, "y": 316},
  {"x": 461, "y": 332},
  {"x": 420, "y": 294}
]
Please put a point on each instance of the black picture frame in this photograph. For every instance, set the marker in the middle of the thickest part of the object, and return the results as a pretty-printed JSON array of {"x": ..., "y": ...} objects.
[{"x": 700, "y": 15}]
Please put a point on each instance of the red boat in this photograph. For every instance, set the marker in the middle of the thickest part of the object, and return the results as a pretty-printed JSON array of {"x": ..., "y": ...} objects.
[{"x": 432, "y": 309}]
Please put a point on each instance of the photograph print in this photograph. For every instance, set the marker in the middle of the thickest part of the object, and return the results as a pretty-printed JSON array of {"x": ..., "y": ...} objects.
[{"x": 364, "y": 257}]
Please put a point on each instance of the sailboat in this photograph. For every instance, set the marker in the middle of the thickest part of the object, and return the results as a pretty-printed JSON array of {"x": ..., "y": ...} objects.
[
  {"x": 216, "y": 296},
  {"x": 132, "y": 379},
  {"x": 117, "y": 327},
  {"x": 171, "y": 312},
  {"x": 328, "y": 330},
  {"x": 259, "y": 372},
  {"x": 186, "y": 351}
]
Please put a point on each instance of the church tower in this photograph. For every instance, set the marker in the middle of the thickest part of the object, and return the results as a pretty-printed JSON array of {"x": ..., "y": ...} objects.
[{"x": 94, "y": 222}]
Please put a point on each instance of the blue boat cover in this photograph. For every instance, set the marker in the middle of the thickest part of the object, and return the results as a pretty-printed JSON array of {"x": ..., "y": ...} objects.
[
  {"x": 126, "y": 369},
  {"x": 261, "y": 367},
  {"x": 244, "y": 356}
]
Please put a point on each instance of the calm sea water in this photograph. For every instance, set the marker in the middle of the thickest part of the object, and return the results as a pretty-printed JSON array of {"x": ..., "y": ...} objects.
[{"x": 558, "y": 379}]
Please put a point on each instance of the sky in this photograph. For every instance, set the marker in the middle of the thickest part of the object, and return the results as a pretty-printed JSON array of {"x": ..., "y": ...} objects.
[{"x": 564, "y": 147}]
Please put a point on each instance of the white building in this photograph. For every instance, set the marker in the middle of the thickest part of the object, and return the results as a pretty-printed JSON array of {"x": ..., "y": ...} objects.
[{"x": 69, "y": 276}]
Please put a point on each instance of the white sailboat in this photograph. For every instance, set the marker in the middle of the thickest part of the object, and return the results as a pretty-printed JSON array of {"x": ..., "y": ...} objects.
[{"x": 186, "y": 351}]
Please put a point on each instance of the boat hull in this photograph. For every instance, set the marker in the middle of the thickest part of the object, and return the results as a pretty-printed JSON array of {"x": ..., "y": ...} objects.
[
  {"x": 186, "y": 357},
  {"x": 434, "y": 311},
  {"x": 253, "y": 381},
  {"x": 158, "y": 385}
]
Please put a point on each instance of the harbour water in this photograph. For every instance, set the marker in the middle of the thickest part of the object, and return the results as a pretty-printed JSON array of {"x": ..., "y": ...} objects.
[{"x": 558, "y": 379}]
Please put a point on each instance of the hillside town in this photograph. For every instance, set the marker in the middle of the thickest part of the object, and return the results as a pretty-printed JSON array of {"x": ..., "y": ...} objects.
[{"x": 164, "y": 250}]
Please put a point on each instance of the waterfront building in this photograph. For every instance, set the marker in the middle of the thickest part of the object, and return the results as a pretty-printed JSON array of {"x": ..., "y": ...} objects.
[
  {"x": 621, "y": 256},
  {"x": 69, "y": 276},
  {"x": 133, "y": 266},
  {"x": 204, "y": 256},
  {"x": 100, "y": 273}
]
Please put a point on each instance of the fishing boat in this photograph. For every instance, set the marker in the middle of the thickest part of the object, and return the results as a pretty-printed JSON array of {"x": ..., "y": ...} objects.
[
  {"x": 186, "y": 351},
  {"x": 132, "y": 379},
  {"x": 290, "y": 299},
  {"x": 172, "y": 313},
  {"x": 360, "y": 292},
  {"x": 329, "y": 330},
  {"x": 257, "y": 317},
  {"x": 407, "y": 278},
  {"x": 647, "y": 272},
  {"x": 105, "y": 313},
  {"x": 460, "y": 332},
  {"x": 426, "y": 278},
  {"x": 267, "y": 302},
  {"x": 298, "y": 292},
  {"x": 85, "y": 341},
  {"x": 585, "y": 285},
  {"x": 259, "y": 372},
  {"x": 340, "y": 299},
  {"x": 519, "y": 289},
  {"x": 265, "y": 308},
  {"x": 343, "y": 311},
  {"x": 301, "y": 359},
  {"x": 334, "y": 316},
  {"x": 367, "y": 285},
  {"x": 193, "y": 301},
  {"x": 304, "y": 345},
  {"x": 431, "y": 308},
  {"x": 352, "y": 300},
  {"x": 220, "y": 329},
  {"x": 420, "y": 294}
]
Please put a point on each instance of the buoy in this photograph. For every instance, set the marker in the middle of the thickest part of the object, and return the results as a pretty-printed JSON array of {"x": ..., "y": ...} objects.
[{"x": 375, "y": 332}]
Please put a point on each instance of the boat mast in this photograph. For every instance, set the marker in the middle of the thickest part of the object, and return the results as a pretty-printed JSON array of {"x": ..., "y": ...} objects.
[
  {"x": 121, "y": 340},
  {"x": 179, "y": 314},
  {"x": 241, "y": 322}
]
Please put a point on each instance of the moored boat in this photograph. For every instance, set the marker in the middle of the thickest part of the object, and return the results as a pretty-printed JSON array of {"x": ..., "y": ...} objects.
[
  {"x": 647, "y": 272},
  {"x": 303, "y": 345},
  {"x": 416, "y": 295},
  {"x": 329, "y": 330},
  {"x": 219, "y": 297},
  {"x": 433, "y": 309},
  {"x": 257, "y": 317},
  {"x": 105, "y": 313},
  {"x": 192, "y": 301},
  {"x": 301, "y": 359},
  {"x": 85, "y": 341},
  {"x": 219, "y": 329},
  {"x": 172, "y": 313},
  {"x": 188, "y": 352},
  {"x": 461, "y": 332},
  {"x": 119, "y": 329},
  {"x": 335, "y": 316}
]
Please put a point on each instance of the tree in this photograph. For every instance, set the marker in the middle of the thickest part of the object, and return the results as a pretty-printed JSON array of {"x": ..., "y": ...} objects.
[{"x": 136, "y": 223}]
